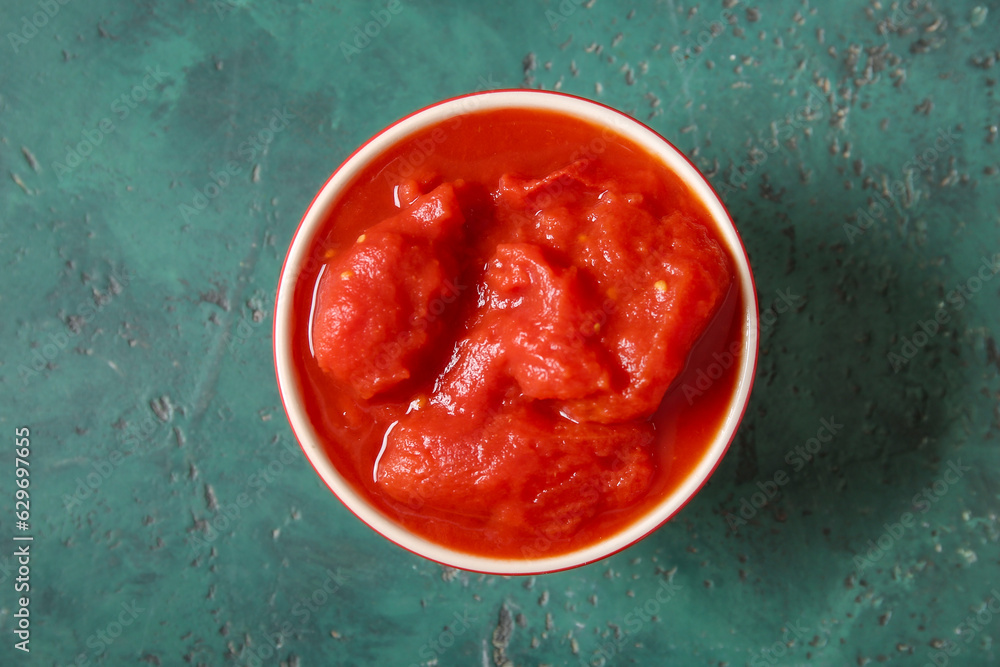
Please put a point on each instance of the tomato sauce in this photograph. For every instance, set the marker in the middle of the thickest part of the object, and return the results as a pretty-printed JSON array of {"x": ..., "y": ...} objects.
[{"x": 503, "y": 337}]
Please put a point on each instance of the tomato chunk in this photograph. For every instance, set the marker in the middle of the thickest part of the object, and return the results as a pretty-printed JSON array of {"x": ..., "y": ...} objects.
[
  {"x": 379, "y": 303},
  {"x": 500, "y": 339}
]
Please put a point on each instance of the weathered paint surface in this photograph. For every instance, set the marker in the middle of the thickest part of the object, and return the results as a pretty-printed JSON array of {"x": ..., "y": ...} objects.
[{"x": 156, "y": 158}]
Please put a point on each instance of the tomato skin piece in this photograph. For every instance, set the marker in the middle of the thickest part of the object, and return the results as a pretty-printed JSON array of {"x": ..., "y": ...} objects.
[
  {"x": 518, "y": 469},
  {"x": 537, "y": 310},
  {"x": 655, "y": 285},
  {"x": 376, "y": 302},
  {"x": 678, "y": 277}
]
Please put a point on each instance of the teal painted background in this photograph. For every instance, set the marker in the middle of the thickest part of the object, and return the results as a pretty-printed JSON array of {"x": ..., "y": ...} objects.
[{"x": 155, "y": 159}]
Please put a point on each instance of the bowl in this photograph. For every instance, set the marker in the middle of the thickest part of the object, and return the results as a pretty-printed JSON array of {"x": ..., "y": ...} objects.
[{"x": 302, "y": 257}]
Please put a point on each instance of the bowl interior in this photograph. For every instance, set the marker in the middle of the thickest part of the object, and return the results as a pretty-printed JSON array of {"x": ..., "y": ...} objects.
[{"x": 311, "y": 225}]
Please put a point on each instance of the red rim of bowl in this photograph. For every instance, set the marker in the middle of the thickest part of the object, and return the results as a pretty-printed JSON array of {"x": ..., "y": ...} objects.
[{"x": 746, "y": 376}]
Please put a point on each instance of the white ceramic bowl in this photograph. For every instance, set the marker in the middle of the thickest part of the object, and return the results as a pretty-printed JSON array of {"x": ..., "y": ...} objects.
[{"x": 601, "y": 116}]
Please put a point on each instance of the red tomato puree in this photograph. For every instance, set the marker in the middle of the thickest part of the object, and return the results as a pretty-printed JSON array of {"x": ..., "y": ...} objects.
[{"x": 504, "y": 335}]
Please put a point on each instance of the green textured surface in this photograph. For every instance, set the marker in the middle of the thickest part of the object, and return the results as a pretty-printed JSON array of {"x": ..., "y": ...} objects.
[{"x": 163, "y": 392}]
